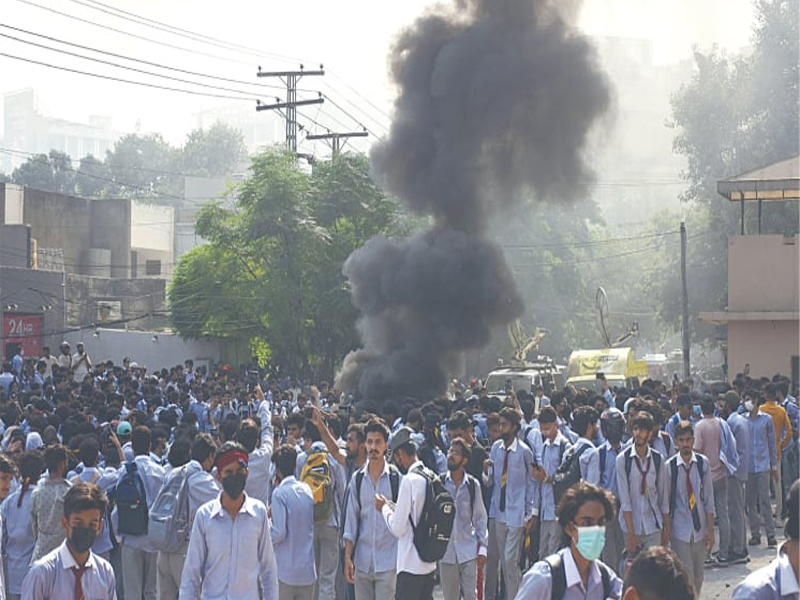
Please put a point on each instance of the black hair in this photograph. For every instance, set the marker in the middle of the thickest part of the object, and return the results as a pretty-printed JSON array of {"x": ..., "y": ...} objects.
[
  {"x": 7, "y": 465},
  {"x": 248, "y": 434},
  {"x": 31, "y": 466},
  {"x": 88, "y": 451},
  {"x": 84, "y": 496},
  {"x": 463, "y": 447},
  {"x": 54, "y": 456},
  {"x": 203, "y": 446},
  {"x": 657, "y": 574},
  {"x": 358, "y": 429},
  {"x": 682, "y": 428},
  {"x": 582, "y": 418},
  {"x": 377, "y": 425},
  {"x": 577, "y": 496},
  {"x": 285, "y": 460},
  {"x": 792, "y": 528},
  {"x": 140, "y": 440},
  {"x": 310, "y": 432},
  {"x": 548, "y": 414},
  {"x": 180, "y": 452}
]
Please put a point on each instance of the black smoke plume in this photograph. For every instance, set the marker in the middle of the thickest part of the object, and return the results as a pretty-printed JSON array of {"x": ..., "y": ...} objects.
[{"x": 495, "y": 100}]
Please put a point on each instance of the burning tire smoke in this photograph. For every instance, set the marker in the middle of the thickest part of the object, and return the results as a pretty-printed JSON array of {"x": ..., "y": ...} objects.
[{"x": 496, "y": 99}]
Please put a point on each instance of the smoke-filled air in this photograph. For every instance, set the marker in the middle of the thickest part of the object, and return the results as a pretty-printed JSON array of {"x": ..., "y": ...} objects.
[{"x": 496, "y": 99}]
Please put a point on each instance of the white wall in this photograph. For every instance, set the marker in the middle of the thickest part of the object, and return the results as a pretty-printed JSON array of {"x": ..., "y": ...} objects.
[
  {"x": 169, "y": 349},
  {"x": 152, "y": 227}
]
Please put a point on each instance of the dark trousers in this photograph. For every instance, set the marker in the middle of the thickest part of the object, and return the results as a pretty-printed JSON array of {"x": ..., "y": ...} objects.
[{"x": 414, "y": 587}]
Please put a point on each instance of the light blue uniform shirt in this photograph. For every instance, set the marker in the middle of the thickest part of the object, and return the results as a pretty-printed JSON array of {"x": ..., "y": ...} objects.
[
  {"x": 551, "y": 459},
  {"x": 608, "y": 471},
  {"x": 648, "y": 509},
  {"x": 375, "y": 546},
  {"x": 292, "y": 532},
  {"x": 741, "y": 433},
  {"x": 18, "y": 539},
  {"x": 52, "y": 577},
  {"x": 682, "y": 524},
  {"x": 537, "y": 584},
  {"x": 470, "y": 530},
  {"x": 228, "y": 557},
  {"x": 521, "y": 487},
  {"x": 763, "y": 451},
  {"x": 589, "y": 461}
]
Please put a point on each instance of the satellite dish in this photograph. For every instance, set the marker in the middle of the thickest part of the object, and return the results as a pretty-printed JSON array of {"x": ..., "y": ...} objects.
[{"x": 602, "y": 313}]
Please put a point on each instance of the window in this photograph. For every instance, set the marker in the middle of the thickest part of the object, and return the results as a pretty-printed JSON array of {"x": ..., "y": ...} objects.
[{"x": 152, "y": 267}]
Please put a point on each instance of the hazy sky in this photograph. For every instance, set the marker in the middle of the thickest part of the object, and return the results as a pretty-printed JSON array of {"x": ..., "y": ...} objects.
[{"x": 351, "y": 37}]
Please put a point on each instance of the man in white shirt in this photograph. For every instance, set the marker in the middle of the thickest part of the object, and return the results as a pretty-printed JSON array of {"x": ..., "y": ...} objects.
[
  {"x": 80, "y": 363},
  {"x": 414, "y": 576}
]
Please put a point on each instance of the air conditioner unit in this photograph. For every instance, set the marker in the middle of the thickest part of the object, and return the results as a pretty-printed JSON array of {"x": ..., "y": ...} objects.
[{"x": 108, "y": 311}]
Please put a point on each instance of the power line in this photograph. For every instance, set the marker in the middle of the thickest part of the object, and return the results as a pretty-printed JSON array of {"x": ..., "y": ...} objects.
[
  {"x": 129, "y": 68},
  {"x": 138, "y": 60},
  {"x": 121, "y": 80},
  {"x": 136, "y": 36},
  {"x": 180, "y": 32}
]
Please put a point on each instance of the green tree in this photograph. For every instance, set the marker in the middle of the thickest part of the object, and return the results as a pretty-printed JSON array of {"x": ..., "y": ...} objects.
[
  {"x": 213, "y": 152},
  {"x": 738, "y": 113},
  {"x": 51, "y": 172},
  {"x": 271, "y": 273},
  {"x": 144, "y": 166},
  {"x": 91, "y": 178}
]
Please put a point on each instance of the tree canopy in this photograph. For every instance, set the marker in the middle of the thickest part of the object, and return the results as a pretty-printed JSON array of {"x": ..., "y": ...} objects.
[
  {"x": 271, "y": 271},
  {"x": 139, "y": 166}
]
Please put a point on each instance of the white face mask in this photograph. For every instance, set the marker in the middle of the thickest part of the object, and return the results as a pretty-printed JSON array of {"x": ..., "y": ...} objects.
[{"x": 748, "y": 405}]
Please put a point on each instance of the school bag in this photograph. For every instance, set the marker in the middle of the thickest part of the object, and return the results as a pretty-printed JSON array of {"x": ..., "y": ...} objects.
[
  {"x": 569, "y": 471},
  {"x": 131, "y": 502},
  {"x": 432, "y": 532},
  {"x": 317, "y": 474},
  {"x": 168, "y": 525},
  {"x": 558, "y": 577}
]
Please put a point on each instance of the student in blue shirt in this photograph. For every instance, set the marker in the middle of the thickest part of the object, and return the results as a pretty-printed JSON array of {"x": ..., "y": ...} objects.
[
  {"x": 779, "y": 579},
  {"x": 292, "y": 530},
  {"x": 466, "y": 549},
  {"x": 583, "y": 514}
]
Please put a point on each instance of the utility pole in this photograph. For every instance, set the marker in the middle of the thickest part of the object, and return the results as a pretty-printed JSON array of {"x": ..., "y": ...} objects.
[
  {"x": 290, "y": 79},
  {"x": 685, "y": 306},
  {"x": 336, "y": 138}
]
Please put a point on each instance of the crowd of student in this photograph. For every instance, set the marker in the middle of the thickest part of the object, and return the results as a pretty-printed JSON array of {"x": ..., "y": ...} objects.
[{"x": 295, "y": 492}]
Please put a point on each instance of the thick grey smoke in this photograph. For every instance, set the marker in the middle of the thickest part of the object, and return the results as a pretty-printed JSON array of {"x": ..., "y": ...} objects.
[{"x": 496, "y": 98}]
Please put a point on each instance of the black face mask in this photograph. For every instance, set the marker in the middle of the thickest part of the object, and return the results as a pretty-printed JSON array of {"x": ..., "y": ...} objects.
[
  {"x": 82, "y": 538},
  {"x": 234, "y": 484}
]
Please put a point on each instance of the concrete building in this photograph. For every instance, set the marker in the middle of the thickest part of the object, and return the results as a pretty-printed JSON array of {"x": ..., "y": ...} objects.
[
  {"x": 69, "y": 264},
  {"x": 112, "y": 238},
  {"x": 27, "y": 130},
  {"x": 763, "y": 313}
]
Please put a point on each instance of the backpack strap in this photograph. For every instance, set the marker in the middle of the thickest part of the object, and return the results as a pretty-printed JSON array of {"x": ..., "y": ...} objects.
[
  {"x": 471, "y": 483},
  {"x": 558, "y": 576},
  {"x": 603, "y": 455},
  {"x": 673, "y": 467},
  {"x": 394, "y": 481},
  {"x": 606, "y": 578},
  {"x": 667, "y": 441}
]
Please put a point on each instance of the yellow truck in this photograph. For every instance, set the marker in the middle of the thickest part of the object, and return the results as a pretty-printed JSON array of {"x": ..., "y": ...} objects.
[{"x": 617, "y": 364}]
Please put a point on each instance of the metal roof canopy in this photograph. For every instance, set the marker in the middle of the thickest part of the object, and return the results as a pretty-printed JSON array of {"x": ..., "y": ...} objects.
[{"x": 775, "y": 182}]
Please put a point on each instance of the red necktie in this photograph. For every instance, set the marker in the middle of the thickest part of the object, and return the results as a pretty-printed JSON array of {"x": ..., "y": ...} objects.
[
  {"x": 643, "y": 473},
  {"x": 78, "y": 571},
  {"x": 692, "y": 499},
  {"x": 503, "y": 481}
]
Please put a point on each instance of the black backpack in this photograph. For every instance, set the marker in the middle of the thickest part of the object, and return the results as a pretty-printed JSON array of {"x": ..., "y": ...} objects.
[
  {"x": 427, "y": 455},
  {"x": 132, "y": 513},
  {"x": 569, "y": 471},
  {"x": 432, "y": 533},
  {"x": 558, "y": 577}
]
